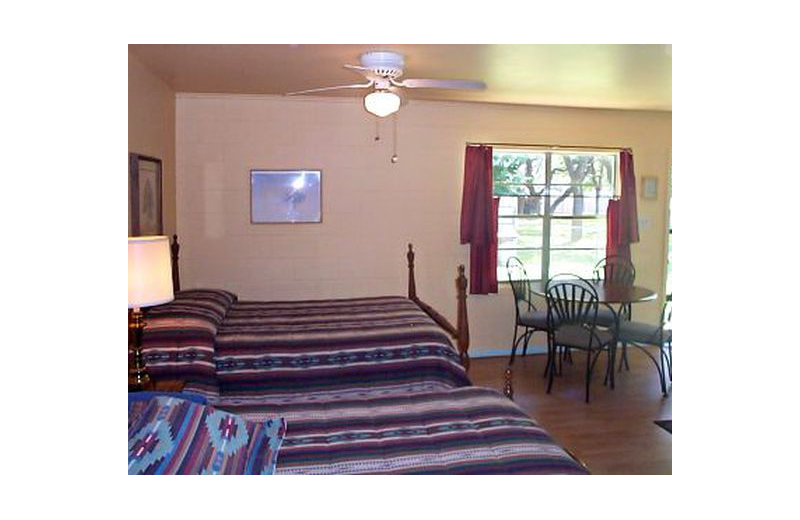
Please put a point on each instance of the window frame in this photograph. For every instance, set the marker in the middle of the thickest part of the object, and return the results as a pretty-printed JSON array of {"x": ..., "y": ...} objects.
[{"x": 547, "y": 217}]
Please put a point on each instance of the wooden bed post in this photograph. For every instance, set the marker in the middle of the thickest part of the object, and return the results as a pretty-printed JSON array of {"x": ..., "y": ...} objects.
[
  {"x": 459, "y": 333},
  {"x": 412, "y": 285},
  {"x": 175, "y": 248},
  {"x": 462, "y": 323}
]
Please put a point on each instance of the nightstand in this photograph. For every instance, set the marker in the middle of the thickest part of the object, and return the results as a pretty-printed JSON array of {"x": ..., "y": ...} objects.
[{"x": 167, "y": 385}]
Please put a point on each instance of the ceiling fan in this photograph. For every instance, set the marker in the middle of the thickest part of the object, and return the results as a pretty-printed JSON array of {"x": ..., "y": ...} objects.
[{"x": 383, "y": 69}]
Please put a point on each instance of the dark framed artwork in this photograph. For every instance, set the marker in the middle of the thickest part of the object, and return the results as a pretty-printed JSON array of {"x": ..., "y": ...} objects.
[
  {"x": 285, "y": 196},
  {"x": 144, "y": 186}
]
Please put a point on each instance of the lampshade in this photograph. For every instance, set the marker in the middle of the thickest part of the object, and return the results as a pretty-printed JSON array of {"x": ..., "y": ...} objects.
[
  {"x": 149, "y": 271},
  {"x": 382, "y": 103}
]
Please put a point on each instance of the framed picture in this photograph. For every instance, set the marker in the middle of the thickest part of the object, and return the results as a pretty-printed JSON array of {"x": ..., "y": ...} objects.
[
  {"x": 145, "y": 217},
  {"x": 285, "y": 196},
  {"x": 649, "y": 187}
]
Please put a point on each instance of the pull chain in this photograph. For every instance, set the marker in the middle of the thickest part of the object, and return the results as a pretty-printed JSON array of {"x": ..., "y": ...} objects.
[{"x": 394, "y": 145}]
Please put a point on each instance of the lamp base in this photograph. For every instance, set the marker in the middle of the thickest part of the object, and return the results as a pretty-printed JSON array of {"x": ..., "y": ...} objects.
[
  {"x": 138, "y": 381},
  {"x": 138, "y": 378}
]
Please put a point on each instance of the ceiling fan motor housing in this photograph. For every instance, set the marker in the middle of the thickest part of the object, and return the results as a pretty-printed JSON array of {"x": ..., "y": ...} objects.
[{"x": 383, "y": 63}]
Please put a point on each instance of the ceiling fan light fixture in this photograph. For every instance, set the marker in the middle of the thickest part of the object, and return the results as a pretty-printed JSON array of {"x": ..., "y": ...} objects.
[{"x": 382, "y": 103}]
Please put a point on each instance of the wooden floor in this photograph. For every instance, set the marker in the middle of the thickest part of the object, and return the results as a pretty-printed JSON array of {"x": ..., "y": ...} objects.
[{"x": 614, "y": 433}]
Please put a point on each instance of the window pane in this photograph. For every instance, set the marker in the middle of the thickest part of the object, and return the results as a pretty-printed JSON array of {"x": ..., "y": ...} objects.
[
  {"x": 531, "y": 206},
  {"x": 577, "y": 201},
  {"x": 531, "y": 259},
  {"x": 589, "y": 172},
  {"x": 515, "y": 173},
  {"x": 519, "y": 232},
  {"x": 580, "y": 262},
  {"x": 579, "y": 232}
]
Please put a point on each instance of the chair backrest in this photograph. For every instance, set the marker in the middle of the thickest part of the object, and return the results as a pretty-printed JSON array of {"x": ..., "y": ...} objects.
[
  {"x": 567, "y": 277},
  {"x": 520, "y": 284},
  {"x": 571, "y": 300},
  {"x": 666, "y": 313},
  {"x": 617, "y": 269}
]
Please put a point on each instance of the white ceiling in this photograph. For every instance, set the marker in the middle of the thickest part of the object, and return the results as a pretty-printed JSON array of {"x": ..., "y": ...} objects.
[{"x": 594, "y": 76}]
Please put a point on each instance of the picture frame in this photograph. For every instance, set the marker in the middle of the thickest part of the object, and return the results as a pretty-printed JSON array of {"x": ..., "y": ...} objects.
[
  {"x": 650, "y": 188},
  {"x": 145, "y": 211},
  {"x": 286, "y": 196}
]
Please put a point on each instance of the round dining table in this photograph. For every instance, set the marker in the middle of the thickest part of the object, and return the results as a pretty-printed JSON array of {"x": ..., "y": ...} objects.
[{"x": 607, "y": 292}]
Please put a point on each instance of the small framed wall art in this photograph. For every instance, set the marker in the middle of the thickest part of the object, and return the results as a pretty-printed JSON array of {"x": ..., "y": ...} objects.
[
  {"x": 650, "y": 188},
  {"x": 144, "y": 205},
  {"x": 285, "y": 196}
]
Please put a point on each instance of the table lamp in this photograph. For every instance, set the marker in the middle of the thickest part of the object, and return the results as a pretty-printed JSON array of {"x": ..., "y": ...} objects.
[{"x": 149, "y": 283}]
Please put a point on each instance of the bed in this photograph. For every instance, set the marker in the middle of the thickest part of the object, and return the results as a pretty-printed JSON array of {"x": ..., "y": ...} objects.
[
  {"x": 466, "y": 430},
  {"x": 365, "y": 385}
]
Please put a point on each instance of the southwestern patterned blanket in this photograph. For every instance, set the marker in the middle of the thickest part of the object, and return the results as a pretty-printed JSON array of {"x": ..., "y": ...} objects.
[
  {"x": 467, "y": 430},
  {"x": 216, "y": 344},
  {"x": 325, "y": 346}
]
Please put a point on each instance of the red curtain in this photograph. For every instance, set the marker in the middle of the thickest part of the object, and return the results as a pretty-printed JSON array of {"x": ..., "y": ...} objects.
[
  {"x": 622, "y": 223},
  {"x": 479, "y": 220}
]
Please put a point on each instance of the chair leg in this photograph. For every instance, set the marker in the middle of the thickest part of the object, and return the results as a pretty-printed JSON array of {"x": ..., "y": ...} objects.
[
  {"x": 661, "y": 376},
  {"x": 609, "y": 366},
  {"x": 659, "y": 364},
  {"x": 624, "y": 357},
  {"x": 551, "y": 362},
  {"x": 527, "y": 339},
  {"x": 612, "y": 358},
  {"x": 549, "y": 353},
  {"x": 513, "y": 345},
  {"x": 588, "y": 372},
  {"x": 547, "y": 363},
  {"x": 669, "y": 359}
]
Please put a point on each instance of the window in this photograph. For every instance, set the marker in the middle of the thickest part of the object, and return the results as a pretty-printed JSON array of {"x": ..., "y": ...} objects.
[{"x": 552, "y": 213}]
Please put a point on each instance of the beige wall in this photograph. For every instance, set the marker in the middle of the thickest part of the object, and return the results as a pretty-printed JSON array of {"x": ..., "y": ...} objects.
[
  {"x": 372, "y": 208},
  {"x": 151, "y": 129}
]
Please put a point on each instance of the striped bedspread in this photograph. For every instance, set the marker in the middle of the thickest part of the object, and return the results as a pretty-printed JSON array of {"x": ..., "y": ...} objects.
[
  {"x": 178, "y": 339},
  {"x": 468, "y": 430},
  {"x": 274, "y": 348}
]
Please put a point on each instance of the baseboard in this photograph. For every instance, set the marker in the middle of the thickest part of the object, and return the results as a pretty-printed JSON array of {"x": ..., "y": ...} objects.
[{"x": 532, "y": 349}]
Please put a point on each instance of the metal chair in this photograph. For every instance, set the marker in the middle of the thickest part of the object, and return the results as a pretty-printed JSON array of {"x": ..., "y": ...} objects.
[
  {"x": 572, "y": 306},
  {"x": 640, "y": 335},
  {"x": 615, "y": 268},
  {"x": 620, "y": 270},
  {"x": 525, "y": 313},
  {"x": 561, "y": 353}
]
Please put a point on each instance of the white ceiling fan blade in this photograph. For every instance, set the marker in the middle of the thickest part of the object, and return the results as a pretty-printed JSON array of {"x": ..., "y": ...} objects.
[
  {"x": 441, "y": 83},
  {"x": 367, "y": 73},
  {"x": 357, "y": 68},
  {"x": 365, "y": 85}
]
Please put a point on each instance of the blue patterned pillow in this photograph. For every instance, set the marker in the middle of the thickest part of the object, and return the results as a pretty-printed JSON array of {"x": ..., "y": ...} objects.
[
  {"x": 139, "y": 401},
  {"x": 174, "y": 436}
]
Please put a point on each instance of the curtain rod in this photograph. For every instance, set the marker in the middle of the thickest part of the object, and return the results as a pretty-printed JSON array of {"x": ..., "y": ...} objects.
[{"x": 552, "y": 146}]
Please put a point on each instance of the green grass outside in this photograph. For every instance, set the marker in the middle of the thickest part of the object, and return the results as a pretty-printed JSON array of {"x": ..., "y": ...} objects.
[{"x": 580, "y": 262}]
